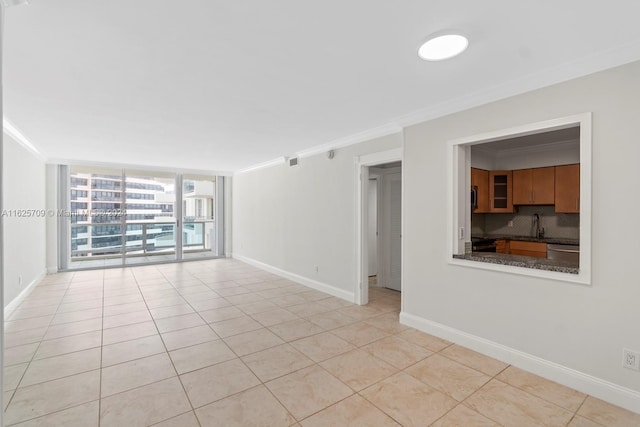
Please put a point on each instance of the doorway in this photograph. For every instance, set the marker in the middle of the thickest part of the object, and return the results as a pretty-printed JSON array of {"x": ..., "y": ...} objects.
[
  {"x": 380, "y": 224},
  {"x": 386, "y": 246}
]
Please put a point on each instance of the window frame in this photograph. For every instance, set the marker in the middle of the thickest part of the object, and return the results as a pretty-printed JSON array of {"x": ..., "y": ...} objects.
[
  {"x": 458, "y": 188},
  {"x": 125, "y": 191}
]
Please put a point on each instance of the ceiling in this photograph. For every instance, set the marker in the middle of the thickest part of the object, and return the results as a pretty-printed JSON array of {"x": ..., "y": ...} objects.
[
  {"x": 223, "y": 85},
  {"x": 565, "y": 137}
]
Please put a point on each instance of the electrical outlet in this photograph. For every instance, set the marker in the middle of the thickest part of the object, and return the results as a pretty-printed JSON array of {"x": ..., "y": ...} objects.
[{"x": 630, "y": 359}]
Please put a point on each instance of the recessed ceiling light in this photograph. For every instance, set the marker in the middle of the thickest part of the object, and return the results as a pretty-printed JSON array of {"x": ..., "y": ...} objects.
[{"x": 443, "y": 46}]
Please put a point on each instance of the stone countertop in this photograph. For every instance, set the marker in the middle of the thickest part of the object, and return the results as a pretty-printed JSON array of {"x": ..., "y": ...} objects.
[
  {"x": 551, "y": 240},
  {"x": 522, "y": 261}
]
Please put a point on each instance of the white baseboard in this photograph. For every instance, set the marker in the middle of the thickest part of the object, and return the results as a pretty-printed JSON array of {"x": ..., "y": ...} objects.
[
  {"x": 9, "y": 308},
  {"x": 596, "y": 387},
  {"x": 319, "y": 286}
]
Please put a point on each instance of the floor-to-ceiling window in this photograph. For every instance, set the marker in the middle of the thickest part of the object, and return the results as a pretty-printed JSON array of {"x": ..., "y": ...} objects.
[
  {"x": 150, "y": 219},
  {"x": 122, "y": 217},
  {"x": 198, "y": 216},
  {"x": 95, "y": 222}
]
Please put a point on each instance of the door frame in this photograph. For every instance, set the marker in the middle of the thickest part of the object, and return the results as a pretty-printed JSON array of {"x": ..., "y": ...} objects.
[{"x": 361, "y": 180}]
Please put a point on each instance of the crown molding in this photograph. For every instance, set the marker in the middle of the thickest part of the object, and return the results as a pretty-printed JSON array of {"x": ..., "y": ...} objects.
[
  {"x": 268, "y": 163},
  {"x": 150, "y": 168},
  {"x": 9, "y": 129},
  {"x": 347, "y": 141},
  {"x": 368, "y": 135},
  {"x": 356, "y": 138}
]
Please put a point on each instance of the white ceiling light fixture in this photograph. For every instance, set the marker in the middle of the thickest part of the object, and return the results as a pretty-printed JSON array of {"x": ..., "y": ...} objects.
[{"x": 443, "y": 45}]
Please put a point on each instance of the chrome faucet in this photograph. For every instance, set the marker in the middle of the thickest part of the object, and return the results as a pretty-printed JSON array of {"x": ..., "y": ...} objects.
[{"x": 536, "y": 224}]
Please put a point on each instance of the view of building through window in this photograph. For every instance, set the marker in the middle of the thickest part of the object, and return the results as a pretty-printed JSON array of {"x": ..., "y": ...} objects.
[{"x": 197, "y": 212}]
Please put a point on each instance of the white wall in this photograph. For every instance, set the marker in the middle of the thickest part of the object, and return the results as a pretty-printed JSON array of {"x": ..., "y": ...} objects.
[
  {"x": 24, "y": 238},
  {"x": 580, "y": 327},
  {"x": 297, "y": 218}
]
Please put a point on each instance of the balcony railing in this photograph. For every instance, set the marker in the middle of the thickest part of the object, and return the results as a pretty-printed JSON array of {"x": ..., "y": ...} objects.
[{"x": 141, "y": 239}]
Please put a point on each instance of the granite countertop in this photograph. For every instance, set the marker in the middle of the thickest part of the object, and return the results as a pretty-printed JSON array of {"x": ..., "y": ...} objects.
[
  {"x": 552, "y": 240},
  {"x": 521, "y": 261}
]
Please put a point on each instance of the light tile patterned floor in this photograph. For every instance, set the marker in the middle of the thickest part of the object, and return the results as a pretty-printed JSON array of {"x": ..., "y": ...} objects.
[{"x": 220, "y": 343}]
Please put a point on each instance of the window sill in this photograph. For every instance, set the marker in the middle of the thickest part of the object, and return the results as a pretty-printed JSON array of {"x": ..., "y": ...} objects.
[{"x": 521, "y": 265}]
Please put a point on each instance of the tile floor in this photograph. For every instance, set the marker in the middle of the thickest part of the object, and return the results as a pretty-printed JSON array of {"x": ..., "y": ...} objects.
[{"x": 220, "y": 343}]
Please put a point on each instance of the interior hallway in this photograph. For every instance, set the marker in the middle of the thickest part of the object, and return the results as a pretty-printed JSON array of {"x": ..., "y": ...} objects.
[{"x": 219, "y": 342}]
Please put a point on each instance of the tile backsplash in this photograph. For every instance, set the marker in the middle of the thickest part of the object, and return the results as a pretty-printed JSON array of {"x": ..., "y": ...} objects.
[{"x": 558, "y": 225}]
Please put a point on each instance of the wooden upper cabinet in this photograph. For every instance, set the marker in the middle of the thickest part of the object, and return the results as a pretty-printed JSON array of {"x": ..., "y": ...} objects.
[
  {"x": 534, "y": 186},
  {"x": 568, "y": 189},
  {"x": 522, "y": 186},
  {"x": 480, "y": 181},
  {"x": 500, "y": 192}
]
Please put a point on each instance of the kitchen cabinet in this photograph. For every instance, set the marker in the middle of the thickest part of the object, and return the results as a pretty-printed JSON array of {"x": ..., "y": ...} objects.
[
  {"x": 480, "y": 183},
  {"x": 532, "y": 249},
  {"x": 534, "y": 186},
  {"x": 567, "y": 193},
  {"x": 500, "y": 192},
  {"x": 502, "y": 246}
]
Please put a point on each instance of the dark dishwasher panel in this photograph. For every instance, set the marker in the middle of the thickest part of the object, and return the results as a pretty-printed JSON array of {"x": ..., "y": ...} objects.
[{"x": 483, "y": 245}]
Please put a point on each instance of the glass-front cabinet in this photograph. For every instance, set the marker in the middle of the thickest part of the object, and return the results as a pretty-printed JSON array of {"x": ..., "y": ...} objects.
[{"x": 500, "y": 191}]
